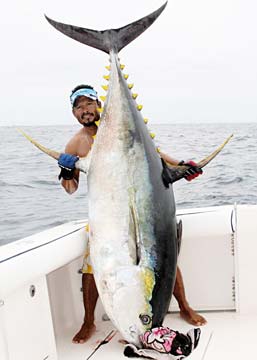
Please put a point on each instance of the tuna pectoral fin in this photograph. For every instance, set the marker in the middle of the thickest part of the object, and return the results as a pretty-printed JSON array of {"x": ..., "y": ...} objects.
[
  {"x": 170, "y": 173},
  {"x": 134, "y": 236},
  {"x": 107, "y": 40}
]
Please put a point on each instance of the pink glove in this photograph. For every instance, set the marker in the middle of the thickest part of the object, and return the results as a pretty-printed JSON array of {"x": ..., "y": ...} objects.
[{"x": 193, "y": 170}]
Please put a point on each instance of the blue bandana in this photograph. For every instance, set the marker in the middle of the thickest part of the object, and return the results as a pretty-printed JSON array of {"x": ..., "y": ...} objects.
[{"x": 90, "y": 93}]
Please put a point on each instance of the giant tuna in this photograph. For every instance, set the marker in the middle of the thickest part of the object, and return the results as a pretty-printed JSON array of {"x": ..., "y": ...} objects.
[{"x": 132, "y": 215}]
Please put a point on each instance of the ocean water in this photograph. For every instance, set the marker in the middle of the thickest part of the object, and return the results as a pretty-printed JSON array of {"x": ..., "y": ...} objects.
[{"x": 33, "y": 200}]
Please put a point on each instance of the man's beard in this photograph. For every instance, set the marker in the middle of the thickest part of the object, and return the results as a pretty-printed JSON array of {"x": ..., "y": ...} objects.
[{"x": 91, "y": 123}]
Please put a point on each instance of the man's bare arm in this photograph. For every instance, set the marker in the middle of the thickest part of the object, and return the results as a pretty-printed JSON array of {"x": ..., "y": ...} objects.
[
  {"x": 72, "y": 185},
  {"x": 169, "y": 159}
]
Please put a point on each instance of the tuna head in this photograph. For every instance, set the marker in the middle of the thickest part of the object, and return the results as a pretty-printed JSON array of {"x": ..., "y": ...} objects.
[{"x": 126, "y": 292}]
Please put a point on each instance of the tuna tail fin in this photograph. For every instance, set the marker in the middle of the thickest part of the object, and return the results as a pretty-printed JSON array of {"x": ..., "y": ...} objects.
[
  {"x": 107, "y": 40},
  {"x": 171, "y": 173}
]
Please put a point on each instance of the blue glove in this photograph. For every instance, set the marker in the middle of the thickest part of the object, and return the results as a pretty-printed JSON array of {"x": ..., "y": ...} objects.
[
  {"x": 67, "y": 164},
  {"x": 67, "y": 161}
]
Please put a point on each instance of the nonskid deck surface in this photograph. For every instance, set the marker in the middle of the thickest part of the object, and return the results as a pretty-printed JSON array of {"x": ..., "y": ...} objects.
[{"x": 226, "y": 336}]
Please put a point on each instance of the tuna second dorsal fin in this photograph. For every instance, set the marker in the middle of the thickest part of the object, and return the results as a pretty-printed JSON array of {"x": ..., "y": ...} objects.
[
  {"x": 108, "y": 40},
  {"x": 171, "y": 173}
]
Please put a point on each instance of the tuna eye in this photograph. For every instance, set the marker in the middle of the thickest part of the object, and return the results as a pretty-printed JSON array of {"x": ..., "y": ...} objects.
[{"x": 146, "y": 319}]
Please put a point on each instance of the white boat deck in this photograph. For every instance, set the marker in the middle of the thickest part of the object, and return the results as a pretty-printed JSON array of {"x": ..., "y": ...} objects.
[
  {"x": 41, "y": 309},
  {"x": 227, "y": 335}
]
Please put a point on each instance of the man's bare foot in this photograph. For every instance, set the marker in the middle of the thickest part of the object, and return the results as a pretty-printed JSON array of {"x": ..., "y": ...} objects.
[
  {"x": 84, "y": 333},
  {"x": 192, "y": 317}
]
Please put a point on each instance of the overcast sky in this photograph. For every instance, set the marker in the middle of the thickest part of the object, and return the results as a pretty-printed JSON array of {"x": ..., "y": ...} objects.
[{"x": 196, "y": 63}]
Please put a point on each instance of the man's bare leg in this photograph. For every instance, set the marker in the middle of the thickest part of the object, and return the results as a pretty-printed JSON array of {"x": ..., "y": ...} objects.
[
  {"x": 90, "y": 296},
  {"x": 186, "y": 312}
]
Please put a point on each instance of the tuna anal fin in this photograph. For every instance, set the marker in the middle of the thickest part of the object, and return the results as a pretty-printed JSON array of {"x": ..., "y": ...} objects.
[
  {"x": 52, "y": 153},
  {"x": 83, "y": 163}
]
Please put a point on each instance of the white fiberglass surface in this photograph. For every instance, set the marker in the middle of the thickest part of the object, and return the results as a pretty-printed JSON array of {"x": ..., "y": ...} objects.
[{"x": 227, "y": 335}]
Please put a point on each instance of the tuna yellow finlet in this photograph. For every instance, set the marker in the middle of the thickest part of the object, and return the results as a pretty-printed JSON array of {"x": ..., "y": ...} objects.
[
  {"x": 152, "y": 135},
  {"x": 106, "y": 77},
  {"x": 103, "y": 98},
  {"x": 93, "y": 136},
  {"x": 134, "y": 96},
  {"x": 105, "y": 87},
  {"x": 100, "y": 110},
  {"x": 122, "y": 67},
  {"x": 108, "y": 67},
  {"x": 139, "y": 107},
  {"x": 130, "y": 86},
  {"x": 146, "y": 120},
  {"x": 158, "y": 149},
  {"x": 97, "y": 123},
  {"x": 125, "y": 76}
]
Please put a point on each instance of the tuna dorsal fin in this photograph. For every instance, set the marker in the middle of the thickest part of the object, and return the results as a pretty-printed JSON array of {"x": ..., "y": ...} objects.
[
  {"x": 170, "y": 173},
  {"x": 108, "y": 40}
]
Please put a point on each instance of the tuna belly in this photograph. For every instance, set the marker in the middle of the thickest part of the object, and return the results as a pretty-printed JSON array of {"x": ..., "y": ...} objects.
[{"x": 126, "y": 294}]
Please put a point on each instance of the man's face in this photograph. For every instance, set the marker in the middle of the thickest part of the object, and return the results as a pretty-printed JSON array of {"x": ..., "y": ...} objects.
[{"x": 85, "y": 110}]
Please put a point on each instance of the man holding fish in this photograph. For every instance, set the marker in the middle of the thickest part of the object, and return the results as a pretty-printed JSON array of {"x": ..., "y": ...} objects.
[{"x": 85, "y": 108}]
